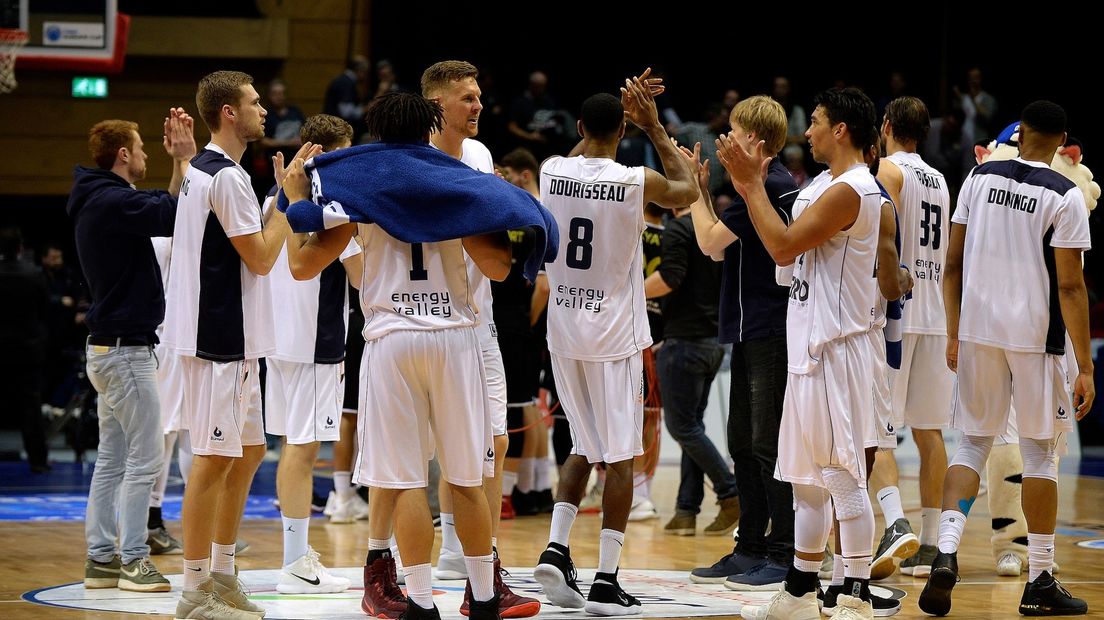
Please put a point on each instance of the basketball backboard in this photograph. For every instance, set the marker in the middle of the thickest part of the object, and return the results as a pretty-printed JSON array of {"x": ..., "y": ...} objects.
[{"x": 67, "y": 34}]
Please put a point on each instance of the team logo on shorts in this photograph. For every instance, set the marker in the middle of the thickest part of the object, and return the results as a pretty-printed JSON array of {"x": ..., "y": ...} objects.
[
  {"x": 889, "y": 429},
  {"x": 1061, "y": 413},
  {"x": 216, "y": 435},
  {"x": 490, "y": 454},
  {"x": 329, "y": 422}
]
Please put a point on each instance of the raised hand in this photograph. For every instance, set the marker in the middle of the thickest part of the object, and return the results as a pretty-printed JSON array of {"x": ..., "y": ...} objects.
[
  {"x": 296, "y": 185},
  {"x": 746, "y": 166},
  {"x": 655, "y": 85},
  {"x": 639, "y": 104},
  {"x": 305, "y": 152},
  {"x": 179, "y": 138},
  {"x": 699, "y": 168}
]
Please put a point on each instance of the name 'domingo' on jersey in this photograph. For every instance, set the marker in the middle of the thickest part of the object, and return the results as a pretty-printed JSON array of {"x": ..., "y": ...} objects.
[
  {"x": 587, "y": 191},
  {"x": 1012, "y": 200}
]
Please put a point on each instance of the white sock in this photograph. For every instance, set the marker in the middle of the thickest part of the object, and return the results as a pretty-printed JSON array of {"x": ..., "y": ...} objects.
[
  {"x": 857, "y": 568},
  {"x": 609, "y": 550},
  {"x": 837, "y": 570},
  {"x": 563, "y": 517},
  {"x": 449, "y": 540},
  {"x": 640, "y": 489},
  {"x": 395, "y": 551},
  {"x": 378, "y": 544},
  {"x": 542, "y": 471},
  {"x": 812, "y": 566},
  {"x": 509, "y": 481},
  {"x": 929, "y": 526},
  {"x": 481, "y": 576},
  {"x": 890, "y": 500},
  {"x": 1040, "y": 554},
  {"x": 343, "y": 484},
  {"x": 494, "y": 545},
  {"x": 419, "y": 584},
  {"x": 195, "y": 573},
  {"x": 222, "y": 558},
  {"x": 951, "y": 524},
  {"x": 295, "y": 538},
  {"x": 525, "y": 475}
]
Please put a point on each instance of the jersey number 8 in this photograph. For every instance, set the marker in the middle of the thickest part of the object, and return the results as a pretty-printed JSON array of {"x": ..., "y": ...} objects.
[{"x": 580, "y": 250}]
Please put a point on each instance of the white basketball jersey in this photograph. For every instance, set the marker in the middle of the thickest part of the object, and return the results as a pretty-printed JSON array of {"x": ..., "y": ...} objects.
[
  {"x": 834, "y": 289},
  {"x": 476, "y": 155},
  {"x": 596, "y": 308},
  {"x": 1016, "y": 212},
  {"x": 418, "y": 286},
  {"x": 925, "y": 214}
]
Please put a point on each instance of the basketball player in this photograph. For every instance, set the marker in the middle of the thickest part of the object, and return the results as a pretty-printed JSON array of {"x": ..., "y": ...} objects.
[
  {"x": 597, "y": 326},
  {"x": 921, "y": 388},
  {"x": 827, "y": 412},
  {"x": 421, "y": 344},
  {"x": 452, "y": 84},
  {"x": 219, "y": 322},
  {"x": 112, "y": 225},
  {"x": 303, "y": 403},
  {"x": 1014, "y": 286}
]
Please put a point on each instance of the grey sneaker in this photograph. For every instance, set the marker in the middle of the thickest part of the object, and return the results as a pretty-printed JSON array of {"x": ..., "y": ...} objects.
[
  {"x": 230, "y": 589},
  {"x": 141, "y": 575},
  {"x": 919, "y": 565},
  {"x": 204, "y": 604},
  {"x": 898, "y": 543},
  {"x": 240, "y": 546},
  {"x": 161, "y": 542},
  {"x": 682, "y": 524},
  {"x": 101, "y": 574}
]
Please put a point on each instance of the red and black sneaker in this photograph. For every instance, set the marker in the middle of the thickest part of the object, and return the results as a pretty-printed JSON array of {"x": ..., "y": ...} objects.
[
  {"x": 510, "y": 604},
  {"x": 382, "y": 596},
  {"x": 507, "y": 508}
]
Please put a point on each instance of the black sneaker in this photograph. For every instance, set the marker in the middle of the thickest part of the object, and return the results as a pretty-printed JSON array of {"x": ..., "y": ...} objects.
[
  {"x": 544, "y": 500},
  {"x": 318, "y": 503},
  {"x": 414, "y": 612},
  {"x": 936, "y": 597},
  {"x": 484, "y": 610},
  {"x": 525, "y": 504},
  {"x": 1046, "y": 597},
  {"x": 608, "y": 599},
  {"x": 556, "y": 574},
  {"x": 883, "y": 607},
  {"x": 731, "y": 564}
]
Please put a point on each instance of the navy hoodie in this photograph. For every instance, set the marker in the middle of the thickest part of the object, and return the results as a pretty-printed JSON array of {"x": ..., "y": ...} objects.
[{"x": 113, "y": 223}]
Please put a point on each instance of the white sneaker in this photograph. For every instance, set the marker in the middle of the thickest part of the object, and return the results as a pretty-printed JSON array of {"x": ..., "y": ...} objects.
[
  {"x": 206, "y": 605},
  {"x": 342, "y": 510},
  {"x": 1009, "y": 565},
  {"x": 450, "y": 566},
  {"x": 360, "y": 507},
  {"x": 851, "y": 608},
  {"x": 592, "y": 501},
  {"x": 331, "y": 504},
  {"x": 307, "y": 576},
  {"x": 784, "y": 606},
  {"x": 643, "y": 511}
]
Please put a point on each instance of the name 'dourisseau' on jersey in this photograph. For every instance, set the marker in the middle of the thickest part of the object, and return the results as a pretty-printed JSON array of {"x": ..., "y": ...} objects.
[
  {"x": 587, "y": 191},
  {"x": 434, "y": 303},
  {"x": 580, "y": 298},
  {"x": 1012, "y": 200}
]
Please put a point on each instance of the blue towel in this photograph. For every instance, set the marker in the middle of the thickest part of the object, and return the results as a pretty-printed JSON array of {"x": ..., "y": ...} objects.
[
  {"x": 892, "y": 329},
  {"x": 418, "y": 195}
]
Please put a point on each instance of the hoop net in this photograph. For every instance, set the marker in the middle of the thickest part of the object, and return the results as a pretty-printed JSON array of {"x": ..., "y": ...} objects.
[{"x": 11, "y": 41}]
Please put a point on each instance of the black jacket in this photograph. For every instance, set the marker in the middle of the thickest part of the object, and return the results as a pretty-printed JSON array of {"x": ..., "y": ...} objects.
[{"x": 113, "y": 223}]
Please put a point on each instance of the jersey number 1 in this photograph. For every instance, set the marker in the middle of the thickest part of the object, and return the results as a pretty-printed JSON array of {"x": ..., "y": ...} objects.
[
  {"x": 417, "y": 263},
  {"x": 580, "y": 250}
]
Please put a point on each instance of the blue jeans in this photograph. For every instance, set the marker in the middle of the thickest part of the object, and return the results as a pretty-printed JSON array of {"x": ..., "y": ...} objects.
[
  {"x": 686, "y": 371},
  {"x": 131, "y": 447},
  {"x": 755, "y": 413}
]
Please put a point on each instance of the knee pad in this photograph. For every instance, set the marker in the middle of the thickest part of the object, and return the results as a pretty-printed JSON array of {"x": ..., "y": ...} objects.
[
  {"x": 972, "y": 452},
  {"x": 1040, "y": 458},
  {"x": 845, "y": 492},
  {"x": 812, "y": 518}
]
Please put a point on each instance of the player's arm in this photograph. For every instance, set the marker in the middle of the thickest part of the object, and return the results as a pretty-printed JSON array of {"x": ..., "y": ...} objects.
[
  {"x": 308, "y": 255},
  {"x": 711, "y": 234},
  {"x": 893, "y": 280},
  {"x": 889, "y": 174},
  {"x": 539, "y": 301},
  {"x": 952, "y": 290},
  {"x": 179, "y": 143},
  {"x": 677, "y": 187},
  {"x": 491, "y": 253},
  {"x": 1074, "y": 301},
  {"x": 354, "y": 269}
]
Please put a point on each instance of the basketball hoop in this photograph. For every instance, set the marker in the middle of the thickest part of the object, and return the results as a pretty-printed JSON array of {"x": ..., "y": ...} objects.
[{"x": 10, "y": 42}]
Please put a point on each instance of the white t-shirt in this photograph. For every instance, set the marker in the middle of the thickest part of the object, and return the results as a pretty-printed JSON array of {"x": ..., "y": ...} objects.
[
  {"x": 834, "y": 293},
  {"x": 596, "y": 309},
  {"x": 1016, "y": 213},
  {"x": 417, "y": 286},
  {"x": 925, "y": 209},
  {"x": 216, "y": 308},
  {"x": 312, "y": 320},
  {"x": 478, "y": 157}
]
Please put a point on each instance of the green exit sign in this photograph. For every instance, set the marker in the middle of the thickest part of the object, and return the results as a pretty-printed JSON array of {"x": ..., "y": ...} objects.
[{"x": 93, "y": 87}]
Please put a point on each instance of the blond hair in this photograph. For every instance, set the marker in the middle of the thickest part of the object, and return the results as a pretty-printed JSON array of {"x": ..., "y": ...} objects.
[
  {"x": 440, "y": 74},
  {"x": 765, "y": 118}
]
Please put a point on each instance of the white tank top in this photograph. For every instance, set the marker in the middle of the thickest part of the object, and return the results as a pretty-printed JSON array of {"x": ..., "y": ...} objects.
[
  {"x": 596, "y": 309},
  {"x": 834, "y": 290},
  {"x": 925, "y": 216},
  {"x": 418, "y": 286}
]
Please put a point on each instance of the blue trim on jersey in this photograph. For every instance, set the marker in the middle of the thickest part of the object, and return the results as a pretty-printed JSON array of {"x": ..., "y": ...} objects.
[
  {"x": 329, "y": 342},
  {"x": 1056, "y": 329},
  {"x": 1027, "y": 174}
]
